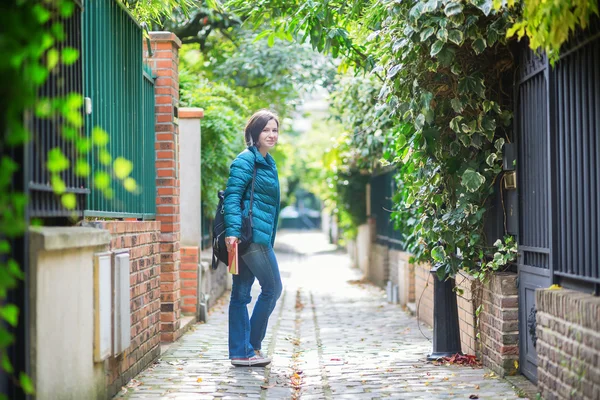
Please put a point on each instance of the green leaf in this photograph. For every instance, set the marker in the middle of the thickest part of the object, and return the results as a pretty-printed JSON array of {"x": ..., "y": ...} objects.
[
  {"x": 101, "y": 180},
  {"x": 69, "y": 55},
  {"x": 436, "y": 48},
  {"x": 426, "y": 33},
  {"x": 472, "y": 180},
  {"x": 82, "y": 168},
  {"x": 4, "y": 246},
  {"x": 69, "y": 201},
  {"x": 130, "y": 184},
  {"x": 57, "y": 162},
  {"x": 66, "y": 8},
  {"x": 438, "y": 253},
  {"x": 453, "y": 8},
  {"x": 486, "y": 6},
  {"x": 456, "y": 36},
  {"x": 262, "y": 35},
  {"x": 52, "y": 59},
  {"x": 41, "y": 14},
  {"x": 26, "y": 383},
  {"x": 271, "y": 39},
  {"x": 457, "y": 105},
  {"x": 491, "y": 159},
  {"x": 58, "y": 185},
  {"x": 104, "y": 157},
  {"x": 6, "y": 364},
  {"x": 10, "y": 313},
  {"x": 122, "y": 167},
  {"x": 442, "y": 35},
  {"x": 479, "y": 45},
  {"x": 446, "y": 56},
  {"x": 499, "y": 144},
  {"x": 393, "y": 71},
  {"x": 99, "y": 136},
  {"x": 37, "y": 73},
  {"x": 420, "y": 122}
]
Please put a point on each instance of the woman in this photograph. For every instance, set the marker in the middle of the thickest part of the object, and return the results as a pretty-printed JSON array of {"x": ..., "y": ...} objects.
[{"x": 258, "y": 260}]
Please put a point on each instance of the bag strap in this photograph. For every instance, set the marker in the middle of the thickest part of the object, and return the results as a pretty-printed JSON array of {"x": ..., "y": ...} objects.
[{"x": 252, "y": 193}]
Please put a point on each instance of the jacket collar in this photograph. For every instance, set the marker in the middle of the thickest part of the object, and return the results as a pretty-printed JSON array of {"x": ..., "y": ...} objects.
[{"x": 268, "y": 160}]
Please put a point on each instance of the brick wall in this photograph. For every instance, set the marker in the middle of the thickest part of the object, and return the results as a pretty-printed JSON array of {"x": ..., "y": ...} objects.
[
  {"x": 568, "y": 344},
  {"x": 379, "y": 265},
  {"x": 424, "y": 293},
  {"x": 142, "y": 241},
  {"x": 189, "y": 279},
  {"x": 164, "y": 62},
  {"x": 467, "y": 306},
  {"x": 499, "y": 324}
]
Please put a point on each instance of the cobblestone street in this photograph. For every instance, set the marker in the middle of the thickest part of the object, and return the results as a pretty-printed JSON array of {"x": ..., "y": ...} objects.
[{"x": 332, "y": 336}]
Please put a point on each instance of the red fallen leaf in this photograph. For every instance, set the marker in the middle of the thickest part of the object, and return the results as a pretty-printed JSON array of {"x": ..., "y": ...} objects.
[{"x": 336, "y": 359}]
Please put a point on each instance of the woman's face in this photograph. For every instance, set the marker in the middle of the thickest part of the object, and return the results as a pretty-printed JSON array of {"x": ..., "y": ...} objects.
[{"x": 269, "y": 135}]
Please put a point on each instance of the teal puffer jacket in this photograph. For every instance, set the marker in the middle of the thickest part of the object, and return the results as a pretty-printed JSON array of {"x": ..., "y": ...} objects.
[{"x": 266, "y": 196}]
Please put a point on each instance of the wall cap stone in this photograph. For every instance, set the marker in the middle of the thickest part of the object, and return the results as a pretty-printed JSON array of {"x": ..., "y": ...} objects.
[
  {"x": 62, "y": 238},
  {"x": 191, "y": 112},
  {"x": 164, "y": 36}
]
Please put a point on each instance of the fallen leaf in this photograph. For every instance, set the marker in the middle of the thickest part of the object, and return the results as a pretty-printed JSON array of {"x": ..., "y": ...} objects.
[
  {"x": 477, "y": 387},
  {"x": 265, "y": 387},
  {"x": 199, "y": 380},
  {"x": 473, "y": 396}
]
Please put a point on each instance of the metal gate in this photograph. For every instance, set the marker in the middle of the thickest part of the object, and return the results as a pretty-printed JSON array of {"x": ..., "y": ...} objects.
[
  {"x": 533, "y": 164},
  {"x": 557, "y": 129}
]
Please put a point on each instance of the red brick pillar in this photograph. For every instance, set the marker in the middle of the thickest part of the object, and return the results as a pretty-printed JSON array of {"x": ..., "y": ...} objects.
[{"x": 164, "y": 62}]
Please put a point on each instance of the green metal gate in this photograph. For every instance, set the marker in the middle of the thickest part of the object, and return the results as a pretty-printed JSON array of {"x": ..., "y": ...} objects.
[{"x": 121, "y": 89}]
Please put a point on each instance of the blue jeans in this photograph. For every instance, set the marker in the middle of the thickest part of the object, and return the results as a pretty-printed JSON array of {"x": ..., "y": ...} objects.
[{"x": 246, "y": 334}]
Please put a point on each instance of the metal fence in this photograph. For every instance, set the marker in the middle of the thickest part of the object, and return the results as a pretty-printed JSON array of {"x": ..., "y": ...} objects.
[
  {"x": 46, "y": 135},
  {"x": 121, "y": 89},
  {"x": 383, "y": 188},
  {"x": 575, "y": 102}
]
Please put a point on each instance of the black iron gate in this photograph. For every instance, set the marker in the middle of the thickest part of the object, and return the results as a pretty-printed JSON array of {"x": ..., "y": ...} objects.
[
  {"x": 557, "y": 124},
  {"x": 533, "y": 164}
]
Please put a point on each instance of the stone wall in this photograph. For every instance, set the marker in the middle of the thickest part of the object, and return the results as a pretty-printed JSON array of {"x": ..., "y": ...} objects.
[
  {"x": 142, "y": 240},
  {"x": 467, "y": 307},
  {"x": 499, "y": 324},
  {"x": 424, "y": 293},
  {"x": 568, "y": 344}
]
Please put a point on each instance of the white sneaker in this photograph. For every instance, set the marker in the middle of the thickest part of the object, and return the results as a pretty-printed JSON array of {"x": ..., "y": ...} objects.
[{"x": 256, "y": 361}]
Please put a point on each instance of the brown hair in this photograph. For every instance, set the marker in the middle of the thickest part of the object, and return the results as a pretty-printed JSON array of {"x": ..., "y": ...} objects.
[{"x": 256, "y": 124}]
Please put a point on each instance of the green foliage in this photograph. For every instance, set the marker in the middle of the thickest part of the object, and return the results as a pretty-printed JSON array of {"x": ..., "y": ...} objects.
[
  {"x": 32, "y": 31},
  {"x": 149, "y": 11},
  {"x": 440, "y": 115},
  {"x": 222, "y": 131},
  {"x": 549, "y": 24}
]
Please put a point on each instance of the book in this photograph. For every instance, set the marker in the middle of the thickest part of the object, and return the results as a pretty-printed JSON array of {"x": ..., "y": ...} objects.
[{"x": 234, "y": 267}]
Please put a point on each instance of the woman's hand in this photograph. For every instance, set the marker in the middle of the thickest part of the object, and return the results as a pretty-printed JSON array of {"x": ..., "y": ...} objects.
[{"x": 229, "y": 241}]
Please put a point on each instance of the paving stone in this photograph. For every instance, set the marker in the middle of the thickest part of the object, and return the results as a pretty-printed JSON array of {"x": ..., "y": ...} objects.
[{"x": 342, "y": 338}]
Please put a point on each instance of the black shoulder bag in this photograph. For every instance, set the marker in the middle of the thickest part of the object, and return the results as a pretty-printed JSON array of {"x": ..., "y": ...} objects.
[{"x": 219, "y": 248}]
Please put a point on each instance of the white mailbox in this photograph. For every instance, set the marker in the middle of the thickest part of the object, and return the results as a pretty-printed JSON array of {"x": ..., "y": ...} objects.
[
  {"x": 121, "y": 303},
  {"x": 102, "y": 306}
]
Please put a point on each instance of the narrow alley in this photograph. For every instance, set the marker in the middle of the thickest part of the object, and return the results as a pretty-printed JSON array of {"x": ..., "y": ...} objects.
[{"x": 333, "y": 336}]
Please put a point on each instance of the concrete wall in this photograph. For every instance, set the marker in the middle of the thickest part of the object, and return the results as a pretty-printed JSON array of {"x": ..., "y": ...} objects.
[
  {"x": 61, "y": 287},
  {"x": 379, "y": 265},
  {"x": 363, "y": 247},
  {"x": 568, "y": 344},
  {"x": 189, "y": 133}
]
